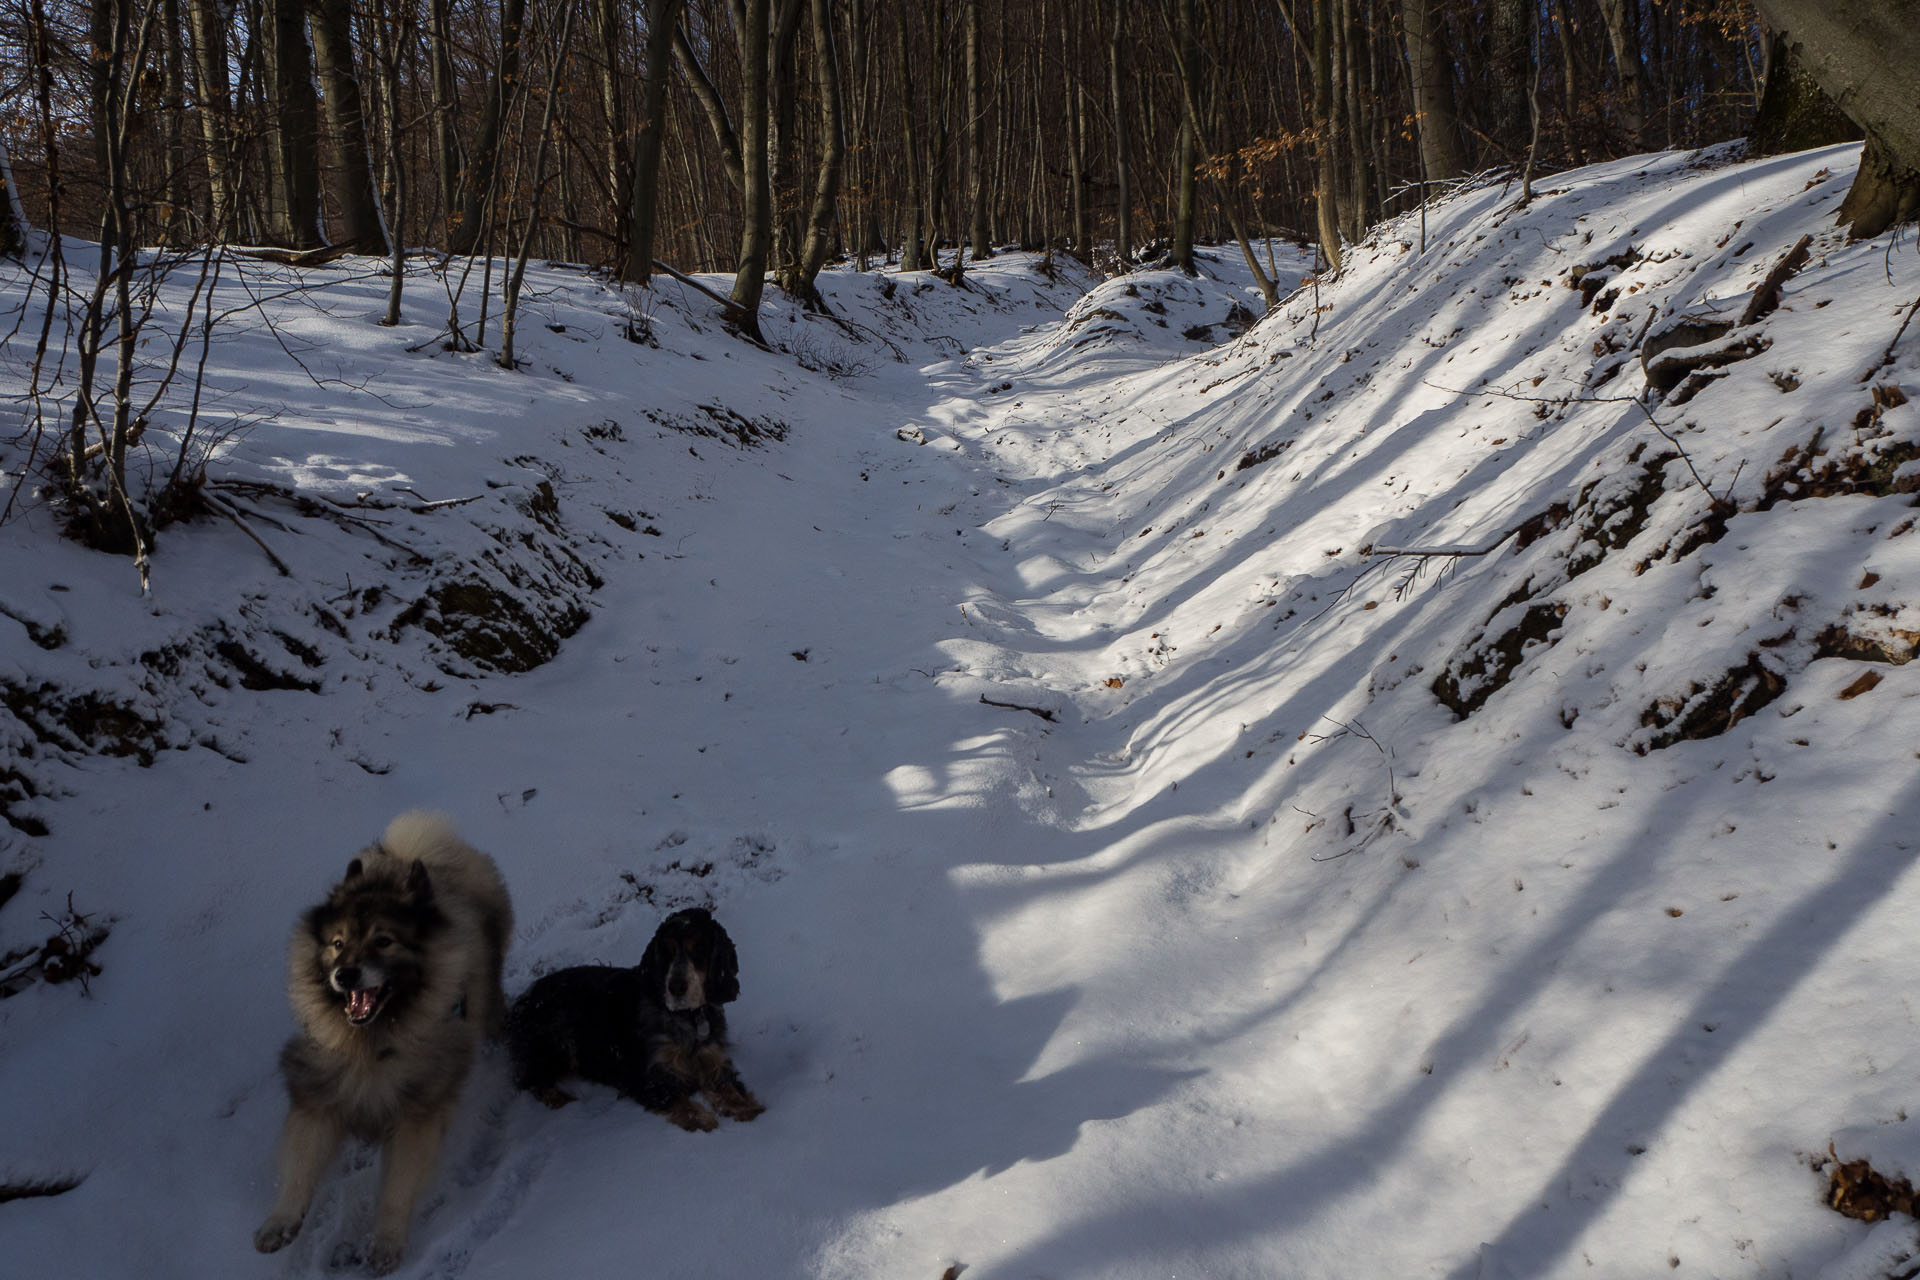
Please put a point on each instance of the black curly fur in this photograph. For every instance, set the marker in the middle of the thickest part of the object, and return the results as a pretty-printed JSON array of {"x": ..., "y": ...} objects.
[{"x": 614, "y": 1026}]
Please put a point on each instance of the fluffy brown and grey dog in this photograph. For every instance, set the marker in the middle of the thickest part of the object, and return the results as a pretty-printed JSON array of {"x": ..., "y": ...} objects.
[
  {"x": 394, "y": 979},
  {"x": 655, "y": 1032}
]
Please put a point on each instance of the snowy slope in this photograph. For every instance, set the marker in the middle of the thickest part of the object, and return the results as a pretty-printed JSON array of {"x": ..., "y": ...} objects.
[{"x": 1138, "y": 868}]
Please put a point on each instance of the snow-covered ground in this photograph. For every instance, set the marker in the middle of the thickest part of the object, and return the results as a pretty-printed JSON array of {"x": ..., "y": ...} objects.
[{"x": 1137, "y": 868}]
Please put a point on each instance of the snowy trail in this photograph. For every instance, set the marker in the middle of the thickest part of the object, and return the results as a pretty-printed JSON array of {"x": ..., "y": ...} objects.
[{"x": 1132, "y": 876}]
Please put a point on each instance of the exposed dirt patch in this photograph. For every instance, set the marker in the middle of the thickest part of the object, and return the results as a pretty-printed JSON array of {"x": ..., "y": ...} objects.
[
  {"x": 1707, "y": 711},
  {"x": 1856, "y": 1190},
  {"x": 1486, "y": 664}
]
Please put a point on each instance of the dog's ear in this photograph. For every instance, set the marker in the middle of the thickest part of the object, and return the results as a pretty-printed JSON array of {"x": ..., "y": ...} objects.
[
  {"x": 353, "y": 871},
  {"x": 723, "y": 980},
  {"x": 418, "y": 883},
  {"x": 653, "y": 965}
]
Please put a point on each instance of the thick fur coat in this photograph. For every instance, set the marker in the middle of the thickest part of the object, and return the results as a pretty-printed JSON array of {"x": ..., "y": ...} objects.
[{"x": 394, "y": 980}]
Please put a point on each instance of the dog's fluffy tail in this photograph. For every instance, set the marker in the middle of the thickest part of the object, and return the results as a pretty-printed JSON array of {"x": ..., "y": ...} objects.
[{"x": 420, "y": 833}]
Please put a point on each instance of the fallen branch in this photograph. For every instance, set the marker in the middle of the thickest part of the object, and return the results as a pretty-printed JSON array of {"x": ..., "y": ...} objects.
[
  {"x": 1767, "y": 297},
  {"x": 432, "y": 504},
  {"x": 1886, "y": 357},
  {"x": 1388, "y": 817},
  {"x": 1458, "y": 549},
  {"x": 220, "y": 507},
  {"x": 1042, "y": 712},
  {"x": 320, "y": 507},
  {"x": 721, "y": 298},
  {"x": 295, "y": 257}
]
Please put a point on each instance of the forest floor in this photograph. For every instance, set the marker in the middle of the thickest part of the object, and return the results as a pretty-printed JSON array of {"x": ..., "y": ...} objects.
[{"x": 1410, "y": 786}]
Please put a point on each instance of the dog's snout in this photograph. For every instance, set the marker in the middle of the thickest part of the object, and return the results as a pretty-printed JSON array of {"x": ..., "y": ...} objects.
[
  {"x": 677, "y": 983},
  {"x": 347, "y": 977}
]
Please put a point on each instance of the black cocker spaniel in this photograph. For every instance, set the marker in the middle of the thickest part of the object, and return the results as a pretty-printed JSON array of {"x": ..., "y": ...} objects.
[{"x": 655, "y": 1032}]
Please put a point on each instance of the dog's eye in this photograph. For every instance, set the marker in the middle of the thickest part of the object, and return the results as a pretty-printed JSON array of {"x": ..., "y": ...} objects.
[
  {"x": 337, "y": 943},
  {"x": 382, "y": 941}
]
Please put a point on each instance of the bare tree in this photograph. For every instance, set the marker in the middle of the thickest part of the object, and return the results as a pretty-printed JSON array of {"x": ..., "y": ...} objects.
[
  {"x": 483, "y": 159},
  {"x": 750, "y": 280},
  {"x": 349, "y": 173},
  {"x": 1123, "y": 214},
  {"x": 1431, "y": 70},
  {"x": 663, "y": 17},
  {"x": 1623, "y": 34},
  {"x": 976, "y": 151},
  {"x": 820, "y": 217}
]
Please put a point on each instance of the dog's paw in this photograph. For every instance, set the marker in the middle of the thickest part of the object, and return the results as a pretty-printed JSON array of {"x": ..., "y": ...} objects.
[
  {"x": 692, "y": 1117},
  {"x": 276, "y": 1233},
  {"x": 738, "y": 1104},
  {"x": 384, "y": 1257}
]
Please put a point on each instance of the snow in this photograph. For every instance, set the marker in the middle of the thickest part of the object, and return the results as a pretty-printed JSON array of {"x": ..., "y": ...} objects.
[{"x": 1032, "y": 694}]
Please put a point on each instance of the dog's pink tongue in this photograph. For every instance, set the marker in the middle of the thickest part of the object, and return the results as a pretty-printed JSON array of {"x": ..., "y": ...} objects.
[{"x": 360, "y": 1003}]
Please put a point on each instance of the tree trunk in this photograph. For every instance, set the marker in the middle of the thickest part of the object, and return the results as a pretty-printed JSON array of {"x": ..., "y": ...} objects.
[
  {"x": 1508, "y": 70},
  {"x": 826, "y": 189},
  {"x": 1326, "y": 201},
  {"x": 976, "y": 152},
  {"x": 715, "y": 107},
  {"x": 1430, "y": 67},
  {"x": 910, "y": 245},
  {"x": 750, "y": 281},
  {"x": 346, "y": 139},
  {"x": 1123, "y": 209},
  {"x": 663, "y": 17},
  {"x": 1623, "y": 35},
  {"x": 783, "y": 97},
  {"x": 293, "y": 146},
  {"x": 446, "y": 138},
  {"x": 13, "y": 219},
  {"x": 1188, "y": 52},
  {"x": 1866, "y": 55},
  {"x": 483, "y": 161},
  {"x": 609, "y": 25},
  {"x": 1795, "y": 114},
  {"x": 214, "y": 105},
  {"x": 389, "y": 29}
]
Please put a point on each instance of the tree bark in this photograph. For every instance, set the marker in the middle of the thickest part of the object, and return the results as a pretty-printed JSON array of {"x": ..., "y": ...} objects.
[
  {"x": 1187, "y": 202},
  {"x": 483, "y": 161},
  {"x": 1430, "y": 67},
  {"x": 1123, "y": 209},
  {"x": 826, "y": 189},
  {"x": 446, "y": 139},
  {"x": 1866, "y": 55},
  {"x": 350, "y": 174},
  {"x": 214, "y": 105},
  {"x": 1622, "y": 18},
  {"x": 710, "y": 101},
  {"x": 1795, "y": 113},
  {"x": 609, "y": 26},
  {"x": 1508, "y": 71},
  {"x": 976, "y": 150},
  {"x": 13, "y": 219},
  {"x": 750, "y": 280},
  {"x": 293, "y": 147},
  {"x": 663, "y": 18},
  {"x": 1325, "y": 167},
  {"x": 910, "y": 245}
]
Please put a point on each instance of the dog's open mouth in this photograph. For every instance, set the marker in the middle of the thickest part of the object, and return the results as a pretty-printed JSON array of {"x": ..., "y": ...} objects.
[{"x": 364, "y": 1004}]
